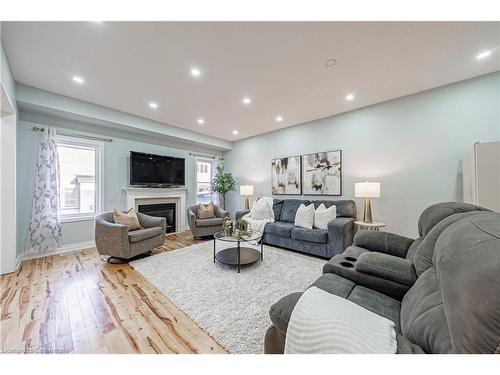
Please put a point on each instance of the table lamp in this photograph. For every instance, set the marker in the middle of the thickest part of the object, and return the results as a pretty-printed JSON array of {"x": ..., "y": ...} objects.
[
  {"x": 367, "y": 190},
  {"x": 246, "y": 191}
]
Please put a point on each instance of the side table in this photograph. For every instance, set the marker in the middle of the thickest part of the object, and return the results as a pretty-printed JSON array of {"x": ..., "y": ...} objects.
[{"x": 369, "y": 226}]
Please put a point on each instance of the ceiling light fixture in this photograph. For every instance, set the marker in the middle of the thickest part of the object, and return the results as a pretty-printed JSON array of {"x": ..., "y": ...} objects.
[
  {"x": 235, "y": 132},
  {"x": 79, "y": 80},
  {"x": 330, "y": 62},
  {"x": 200, "y": 121},
  {"x": 349, "y": 97},
  {"x": 279, "y": 118},
  {"x": 153, "y": 105},
  {"x": 246, "y": 100},
  {"x": 483, "y": 55},
  {"x": 195, "y": 72}
]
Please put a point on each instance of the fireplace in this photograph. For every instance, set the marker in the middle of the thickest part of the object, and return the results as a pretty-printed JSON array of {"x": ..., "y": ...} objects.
[{"x": 166, "y": 210}]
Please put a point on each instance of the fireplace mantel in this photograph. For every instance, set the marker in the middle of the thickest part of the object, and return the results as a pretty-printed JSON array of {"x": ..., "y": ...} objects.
[{"x": 137, "y": 195}]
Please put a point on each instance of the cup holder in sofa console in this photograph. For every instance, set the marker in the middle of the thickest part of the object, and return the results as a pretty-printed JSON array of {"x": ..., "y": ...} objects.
[
  {"x": 347, "y": 264},
  {"x": 351, "y": 259}
]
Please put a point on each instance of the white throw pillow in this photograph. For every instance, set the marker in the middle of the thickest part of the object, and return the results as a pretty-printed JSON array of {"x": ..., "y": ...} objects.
[
  {"x": 261, "y": 210},
  {"x": 323, "y": 215},
  {"x": 304, "y": 218}
]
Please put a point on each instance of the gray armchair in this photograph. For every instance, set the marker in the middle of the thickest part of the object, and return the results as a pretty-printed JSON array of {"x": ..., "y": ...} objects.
[
  {"x": 121, "y": 244},
  {"x": 205, "y": 227}
]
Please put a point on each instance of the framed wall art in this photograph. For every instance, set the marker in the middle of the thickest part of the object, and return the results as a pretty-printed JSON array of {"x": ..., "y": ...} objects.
[
  {"x": 322, "y": 173},
  {"x": 285, "y": 176}
]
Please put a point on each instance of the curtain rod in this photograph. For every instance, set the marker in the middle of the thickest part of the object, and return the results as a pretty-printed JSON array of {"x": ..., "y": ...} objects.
[
  {"x": 206, "y": 156},
  {"x": 41, "y": 130}
]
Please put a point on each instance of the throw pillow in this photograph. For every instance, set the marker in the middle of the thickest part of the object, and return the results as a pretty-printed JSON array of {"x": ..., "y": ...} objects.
[
  {"x": 304, "y": 217},
  {"x": 129, "y": 219},
  {"x": 206, "y": 211},
  {"x": 262, "y": 210},
  {"x": 323, "y": 215}
]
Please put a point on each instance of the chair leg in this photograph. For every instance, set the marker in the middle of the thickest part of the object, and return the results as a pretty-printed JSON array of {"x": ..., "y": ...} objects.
[{"x": 117, "y": 260}]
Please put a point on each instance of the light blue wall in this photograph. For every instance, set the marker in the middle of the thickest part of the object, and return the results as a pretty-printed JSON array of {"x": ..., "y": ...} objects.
[
  {"x": 412, "y": 145},
  {"x": 116, "y": 175}
]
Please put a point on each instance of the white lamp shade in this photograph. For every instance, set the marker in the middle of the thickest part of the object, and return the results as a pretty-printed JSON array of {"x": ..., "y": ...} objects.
[
  {"x": 246, "y": 190},
  {"x": 367, "y": 189}
]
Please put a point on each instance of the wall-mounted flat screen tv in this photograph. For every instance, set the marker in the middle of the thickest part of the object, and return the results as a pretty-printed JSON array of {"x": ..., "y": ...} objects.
[{"x": 156, "y": 170}]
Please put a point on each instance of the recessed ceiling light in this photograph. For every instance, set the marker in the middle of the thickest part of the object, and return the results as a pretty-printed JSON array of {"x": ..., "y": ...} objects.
[
  {"x": 79, "y": 80},
  {"x": 330, "y": 62},
  {"x": 153, "y": 105},
  {"x": 235, "y": 132},
  {"x": 246, "y": 100},
  {"x": 279, "y": 118},
  {"x": 195, "y": 72},
  {"x": 200, "y": 121},
  {"x": 349, "y": 97},
  {"x": 483, "y": 55}
]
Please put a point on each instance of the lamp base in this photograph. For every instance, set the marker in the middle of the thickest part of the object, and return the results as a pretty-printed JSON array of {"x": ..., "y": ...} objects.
[
  {"x": 246, "y": 202},
  {"x": 367, "y": 212}
]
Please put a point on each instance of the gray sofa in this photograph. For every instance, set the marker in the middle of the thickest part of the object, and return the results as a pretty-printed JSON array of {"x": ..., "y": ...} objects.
[
  {"x": 205, "y": 227},
  {"x": 453, "y": 305},
  {"x": 390, "y": 263},
  {"x": 119, "y": 243},
  {"x": 323, "y": 243}
]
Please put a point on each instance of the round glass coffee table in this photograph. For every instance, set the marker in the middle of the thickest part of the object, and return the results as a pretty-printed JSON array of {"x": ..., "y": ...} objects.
[{"x": 238, "y": 255}]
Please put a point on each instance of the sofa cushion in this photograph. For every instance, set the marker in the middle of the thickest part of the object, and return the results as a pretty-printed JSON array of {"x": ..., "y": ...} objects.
[
  {"x": 310, "y": 235},
  {"x": 387, "y": 267},
  {"x": 439, "y": 211},
  {"x": 279, "y": 228},
  {"x": 345, "y": 208},
  {"x": 277, "y": 206},
  {"x": 289, "y": 209},
  {"x": 209, "y": 222},
  {"x": 143, "y": 234},
  {"x": 354, "y": 251}
]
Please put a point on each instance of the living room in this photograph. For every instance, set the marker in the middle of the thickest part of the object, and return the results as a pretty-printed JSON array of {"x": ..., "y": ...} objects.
[{"x": 250, "y": 187}]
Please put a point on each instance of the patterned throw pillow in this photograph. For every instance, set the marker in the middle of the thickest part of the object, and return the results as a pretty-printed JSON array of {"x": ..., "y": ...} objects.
[
  {"x": 304, "y": 217},
  {"x": 323, "y": 215},
  {"x": 129, "y": 219},
  {"x": 206, "y": 211}
]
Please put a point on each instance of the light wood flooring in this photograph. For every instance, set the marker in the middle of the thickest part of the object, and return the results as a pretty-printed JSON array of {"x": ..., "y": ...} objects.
[{"x": 78, "y": 303}]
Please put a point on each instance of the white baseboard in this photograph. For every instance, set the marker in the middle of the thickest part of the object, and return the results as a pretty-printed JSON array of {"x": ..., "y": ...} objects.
[{"x": 63, "y": 250}]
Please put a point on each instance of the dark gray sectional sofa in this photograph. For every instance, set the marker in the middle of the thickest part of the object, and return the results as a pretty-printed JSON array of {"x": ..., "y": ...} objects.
[
  {"x": 323, "y": 243},
  {"x": 453, "y": 301}
]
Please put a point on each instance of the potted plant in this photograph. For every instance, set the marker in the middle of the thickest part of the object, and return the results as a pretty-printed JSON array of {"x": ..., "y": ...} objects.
[{"x": 223, "y": 183}]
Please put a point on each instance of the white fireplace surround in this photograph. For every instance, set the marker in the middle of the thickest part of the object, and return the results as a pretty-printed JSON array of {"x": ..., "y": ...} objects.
[{"x": 135, "y": 196}]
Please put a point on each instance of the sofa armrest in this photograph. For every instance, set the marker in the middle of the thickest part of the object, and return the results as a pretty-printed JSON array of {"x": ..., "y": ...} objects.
[
  {"x": 239, "y": 214},
  {"x": 111, "y": 238},
  {"x": 383, "y": 242},
  {"x": 148, "y": 221},
  {"x": 219, "y": 212},
  {"x": 387, "y": 267},
  {"x": 191, "y": 218},
  {"x": 340, "y": 234}
]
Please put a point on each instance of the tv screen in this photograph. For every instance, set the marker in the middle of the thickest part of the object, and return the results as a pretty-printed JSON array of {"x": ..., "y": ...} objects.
[{"x": 149, "y": 169}]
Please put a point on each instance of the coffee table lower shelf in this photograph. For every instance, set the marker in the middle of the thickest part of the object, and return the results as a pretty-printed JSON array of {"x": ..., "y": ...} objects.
[{"x": 230, "y": 256}]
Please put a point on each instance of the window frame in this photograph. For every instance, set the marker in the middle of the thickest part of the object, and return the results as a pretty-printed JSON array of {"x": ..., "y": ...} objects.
[
  {"x": 99, "y": 176},
  {"x": 206, "y": 161}
]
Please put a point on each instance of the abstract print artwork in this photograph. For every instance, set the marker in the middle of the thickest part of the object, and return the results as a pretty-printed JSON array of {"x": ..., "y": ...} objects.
[
  {"x": 285, "y": 177},
  {"x": 322, "y": 173}
]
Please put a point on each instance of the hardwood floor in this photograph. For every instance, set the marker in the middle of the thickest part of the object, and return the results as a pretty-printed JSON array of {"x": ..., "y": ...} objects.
[{"x": 79, "y": 303}]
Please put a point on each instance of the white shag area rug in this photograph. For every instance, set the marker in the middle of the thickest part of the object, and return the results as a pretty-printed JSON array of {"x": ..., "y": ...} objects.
[{"x": 233, "y": 308}]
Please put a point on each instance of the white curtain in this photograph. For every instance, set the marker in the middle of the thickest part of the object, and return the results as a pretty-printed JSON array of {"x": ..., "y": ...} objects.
[{"x": 45, "y": 226}]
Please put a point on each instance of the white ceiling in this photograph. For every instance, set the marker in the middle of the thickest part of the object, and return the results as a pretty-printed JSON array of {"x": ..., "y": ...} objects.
[{"x": 280, "y": 65}]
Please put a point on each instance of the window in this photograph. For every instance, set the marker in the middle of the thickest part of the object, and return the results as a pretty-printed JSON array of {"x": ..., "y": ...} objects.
[
  {"x": 203, "y": 180},
  {"x": 79, "y": 178}
]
